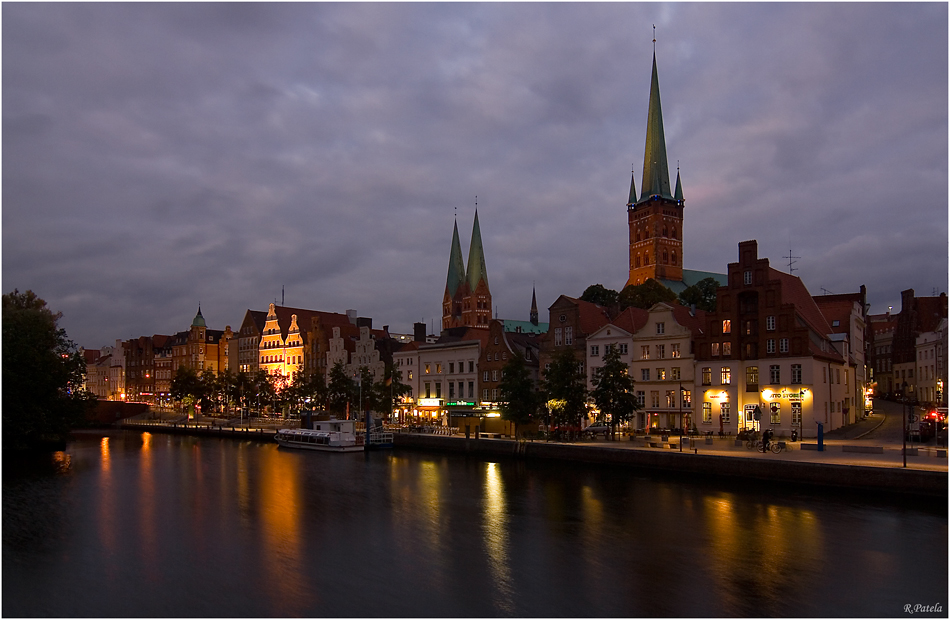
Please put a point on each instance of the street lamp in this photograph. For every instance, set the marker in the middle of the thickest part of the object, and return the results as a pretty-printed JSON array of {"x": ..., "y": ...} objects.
[{"x": 904, "y": 426}]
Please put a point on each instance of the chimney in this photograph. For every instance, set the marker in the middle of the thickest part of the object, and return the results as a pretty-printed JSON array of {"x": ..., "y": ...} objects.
[
  {"x": 364, "y": 321},
  {"x": 351, "y": 315},
  {"x": 419, "y": 332}
]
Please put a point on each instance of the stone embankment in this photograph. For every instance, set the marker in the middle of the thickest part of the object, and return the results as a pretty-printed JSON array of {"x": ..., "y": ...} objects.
[{"x": 889, "y": 479}]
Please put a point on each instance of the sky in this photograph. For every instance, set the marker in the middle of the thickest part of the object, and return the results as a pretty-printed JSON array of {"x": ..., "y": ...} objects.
[{"x": 161, "y": 156}]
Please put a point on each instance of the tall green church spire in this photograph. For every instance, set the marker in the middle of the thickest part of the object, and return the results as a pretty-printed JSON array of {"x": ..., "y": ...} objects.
[
  {"x": 678, "y": 192},
  {"x": 632, "y": 199},
  {"x": 656, "y": 174},
  {"x": 476, "y": 258},
  {"x": 456, "y": 265}
]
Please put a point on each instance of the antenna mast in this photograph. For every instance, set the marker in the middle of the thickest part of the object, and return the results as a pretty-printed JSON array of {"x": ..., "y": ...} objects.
[{"x": 791, "y": 270}]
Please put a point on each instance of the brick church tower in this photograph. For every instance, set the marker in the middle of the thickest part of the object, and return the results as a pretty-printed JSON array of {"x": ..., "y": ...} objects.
[
  {"x": 655, "y": 219},
  {"x": 467, "y": 298}
]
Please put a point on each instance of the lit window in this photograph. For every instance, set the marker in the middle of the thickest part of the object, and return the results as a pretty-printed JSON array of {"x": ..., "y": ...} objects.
[
  {"x": 727, "y": 326},
  {"x": 725, "y": 375}
]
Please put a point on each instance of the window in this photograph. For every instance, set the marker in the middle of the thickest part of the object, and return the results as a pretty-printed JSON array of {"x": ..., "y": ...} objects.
[
  {"x": 485, "y": 376},
  {"x": 451, "y": 368},
  {"x": 727, "y": 348},
  {"x": 752, "y": 379},
  {"x": 451, "y": 390},
  {"x": 770, "y": 345},
  {"x": 484, "y": 394},
  {"x": 775, "y": 411},
  {"x": 796, "y": 414},
  {"x": 641, "y": 398},
  {"x": 623, "y": 348},
  {"x": 714, "y": 349},
  {"x": 727, "y": 326},
  {"x": 428, "y": 390},
  {"x": 725, "y": 374},
  {"x": 838, "y": 375},
  {"x": 747, "y": 277},
  {"x": 661, "y": 374},
  {"x": 655, "y": 398},
  {"x": 438, "y": 368},
  {"x": 645, "y": 352},
  {"x": 687, "y": 397},
  {"x": 471, "y": 365},
  {"x": 568, "y": 335},
  {"x": 471, "y": 389},
  {"x": 775, "y": 375},
  {"x": 707, "y": 413},
  {"x": 675, "y": 350},
  {"x": 661, "y": 328},
  {"x": 594, "y": 350},
  {"x": 645, "y": 374},
  {"x": 438, "y": 389},
  {"x": 675, "y": 373},
  {"x": 770, "y": 323},
  {"x": 670, "y": 399},
  {"x": 707, "y": 376},
  {"x": 494, "y": 375},
  {"x": 427, "y": 369},
  {"x": 724, "y": 410},
  {"x": 557, "y": 336},
  {"x": 660, "y": 351},
  {"x": 783, "y": 345},
  {"x": 410, "y": 375}
]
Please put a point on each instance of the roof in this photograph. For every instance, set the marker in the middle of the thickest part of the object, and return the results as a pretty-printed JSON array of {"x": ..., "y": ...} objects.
[
  {"x": 691, "y": 277},
  {"x": 199, "y": 320},
  {"x": 456, "y": 273},
  {"x": 794, "y": 292},
  {"x": 631, "y": 320},
  {"x": 524, "y": 327},
  {"x": 693, "y": 320},
  {"x": 656, "y": 174},
  {"x": 591, "y": 316},
  {"x": 836, "y": 310},
  {"x": 476, "y": 258},
  {"x": 929, "y": 312}
]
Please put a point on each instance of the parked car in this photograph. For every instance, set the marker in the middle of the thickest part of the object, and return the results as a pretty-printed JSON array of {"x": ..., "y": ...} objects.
[{"x": 596, "y": 429}]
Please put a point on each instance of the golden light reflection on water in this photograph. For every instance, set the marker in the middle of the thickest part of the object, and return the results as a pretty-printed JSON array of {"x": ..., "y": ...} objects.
[
  {"x": 61, "y": 461},
  {"x": 775, "y": 543},
  {"x": 107, "y": 518},
  {"x": 280, "y": 506},
  {"x": 495, "y": 526},
  {"x": 148, "y": 544}
]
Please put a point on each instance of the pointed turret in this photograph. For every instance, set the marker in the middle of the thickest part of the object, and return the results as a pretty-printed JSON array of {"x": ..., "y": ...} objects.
[
  {"x": 632, "y": 199},
  {"x": 656, "y": 174},
  {"x": 678, "y": 193},
  {"x": 476, "y": 259},
  {"x": 456, "y": 265},
  {"x": 199, "y": 320},
  {"x": 534, "y": 308}
]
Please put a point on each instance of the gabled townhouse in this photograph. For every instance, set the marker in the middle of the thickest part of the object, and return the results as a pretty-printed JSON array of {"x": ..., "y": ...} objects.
[
  {"x": 506, "y": 338},
  {"x": 847, "y": 315},
  {"x": 917, "y": 315},
  {"x": 570, "y": 322},
  {"x": 881, "y": 329},
  {"x": 931, "y": 369},
  {"x": 765, "y": 358}
]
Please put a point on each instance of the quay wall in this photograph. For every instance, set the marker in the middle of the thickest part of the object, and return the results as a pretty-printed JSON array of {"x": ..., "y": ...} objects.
[{"x": 890, "y": 479}]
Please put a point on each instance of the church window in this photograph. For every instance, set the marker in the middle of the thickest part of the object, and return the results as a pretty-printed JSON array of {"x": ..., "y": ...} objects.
[
  {"x": 673, "y": 232},
  {"x": 638, "y": 260},
  {"x": 666, "y": 258},
  {"x": 673, "y": 257},
  {"x": 646, "y": 258},
  {"x": 665, "y": 232}
]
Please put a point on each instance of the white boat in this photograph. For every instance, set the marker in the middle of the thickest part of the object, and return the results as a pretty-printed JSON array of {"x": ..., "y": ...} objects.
[{"x": 326, "y": 436}]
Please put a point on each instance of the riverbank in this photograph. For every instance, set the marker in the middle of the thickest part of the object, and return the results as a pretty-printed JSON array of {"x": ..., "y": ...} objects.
[
  {"x": 859, "y": 473},
  {"x": 836, "y": 467}
]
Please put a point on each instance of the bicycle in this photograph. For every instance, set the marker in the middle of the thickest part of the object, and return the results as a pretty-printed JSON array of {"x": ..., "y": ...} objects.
[
  {"x": 777, "y": 447},
  {"x": 753, "y": 442}
]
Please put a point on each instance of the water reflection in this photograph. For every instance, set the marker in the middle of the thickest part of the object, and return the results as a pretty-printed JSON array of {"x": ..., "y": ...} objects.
[
  {"x": 107, "y": 519},
  {"x": 495, "y": 531},
  {"x": 148, "y": 544}
]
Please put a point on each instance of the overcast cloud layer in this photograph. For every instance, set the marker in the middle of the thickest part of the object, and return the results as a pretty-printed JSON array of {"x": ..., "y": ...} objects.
[{"x": 160, "y": 155}]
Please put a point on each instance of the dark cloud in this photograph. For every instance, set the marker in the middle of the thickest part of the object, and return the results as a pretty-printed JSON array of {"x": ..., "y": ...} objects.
[{"x": 161, "y": 155}]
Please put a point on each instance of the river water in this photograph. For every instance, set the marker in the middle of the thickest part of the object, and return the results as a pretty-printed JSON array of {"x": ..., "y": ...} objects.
[{"x": 137, "y": 524}]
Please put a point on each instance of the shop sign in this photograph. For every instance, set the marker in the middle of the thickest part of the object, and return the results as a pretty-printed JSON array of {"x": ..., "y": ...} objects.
[
  {"x": 460, "y": 403},
  {"x": 430, "y": 402}
]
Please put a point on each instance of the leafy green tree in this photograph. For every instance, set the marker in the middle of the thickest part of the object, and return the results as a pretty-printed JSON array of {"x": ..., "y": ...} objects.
[
  {"x": 263, "y": 388},
  {"x": 564, "y": 386},
  {"x": 520, "y": 401},
  {"x": 702, "y": 295},
  {"x": 187, "y": 387},
  {"x": 228, "y": 390},
  {"x": 309, "y": 388},
  {"x": 42, "y": 374},
  {"x": 211, "y": 391},
  {"x": 340, "y": 389},
  {"x": 389, "y": 390},
  {"x": 599, "y": 294},
  {"x": 645, "y": 295},
  {"x": 613, "y": 390}
]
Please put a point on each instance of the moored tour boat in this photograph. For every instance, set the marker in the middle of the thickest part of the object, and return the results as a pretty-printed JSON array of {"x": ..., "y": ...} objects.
[{"x": 327, "y": 436}]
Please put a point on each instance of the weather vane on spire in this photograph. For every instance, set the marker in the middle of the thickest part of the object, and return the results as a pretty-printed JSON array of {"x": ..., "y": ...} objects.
[{"x": 654, "y": 37}]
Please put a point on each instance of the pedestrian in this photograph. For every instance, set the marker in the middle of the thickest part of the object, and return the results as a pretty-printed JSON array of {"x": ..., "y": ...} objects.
[{"x": 766, "y": 439}]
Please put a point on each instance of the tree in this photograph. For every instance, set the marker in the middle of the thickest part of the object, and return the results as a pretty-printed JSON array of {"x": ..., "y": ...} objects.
[
  {"x": 340, "y": 389},
  {"x": 43, "y": 374},
  {"x": 309, "y": 388},
  {"x": 187, "y": 387},
  {"x": 645, "y": 295},
  {"x": 564, "y": 386},
  {"x": 702, "y": 295},
  {"x": 263, "y": 389},
  {"x": 598, "y": 294},
  {"x": 520, "y": 400},
  {"x": 387, "y": 391},
  {"x": 613, "y": 390}
]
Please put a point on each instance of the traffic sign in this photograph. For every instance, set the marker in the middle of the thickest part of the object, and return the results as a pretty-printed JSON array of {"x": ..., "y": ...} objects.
[{"x": 757, "y": 413}]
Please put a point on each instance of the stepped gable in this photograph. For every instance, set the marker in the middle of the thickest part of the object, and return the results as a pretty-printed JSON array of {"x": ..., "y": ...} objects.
[{"x": 304, "y": 317}]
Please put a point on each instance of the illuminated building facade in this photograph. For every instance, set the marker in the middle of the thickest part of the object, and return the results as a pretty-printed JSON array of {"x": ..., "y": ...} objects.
[
  {"x": 932, "y": 365},
  {"x": 768, "y": 347},
  {"x": 200, "y": 348}
]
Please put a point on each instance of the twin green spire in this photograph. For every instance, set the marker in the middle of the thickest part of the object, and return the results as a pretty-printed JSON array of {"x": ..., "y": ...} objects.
[{"x": 476, "y": 261}]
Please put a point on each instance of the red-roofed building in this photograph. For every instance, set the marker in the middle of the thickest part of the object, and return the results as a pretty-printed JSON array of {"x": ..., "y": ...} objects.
[
  {"x": 571, "y": 321},
  {"x": 847, "y": 315},
  {"x": 768, "y": 347},
  {"x": 881, "y": 329}
]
